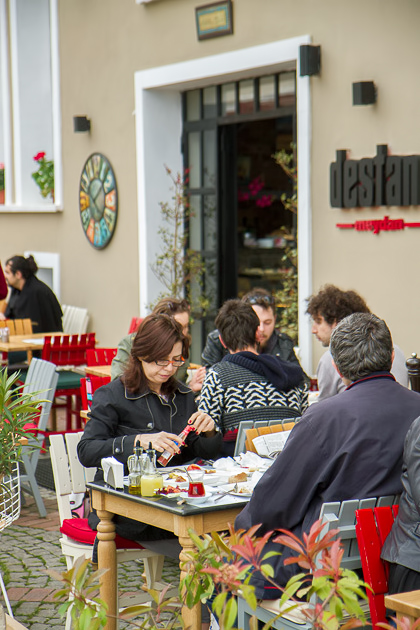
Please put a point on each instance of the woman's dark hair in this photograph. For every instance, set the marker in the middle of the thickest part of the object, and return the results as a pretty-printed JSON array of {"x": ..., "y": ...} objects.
[
  {"x": 155, "y": 338},
  {"x": 26, "y": 266},
  {"x": 171, "y": 306}
]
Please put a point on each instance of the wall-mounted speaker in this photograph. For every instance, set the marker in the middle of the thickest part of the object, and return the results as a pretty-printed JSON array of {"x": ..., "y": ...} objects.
[
  {"x": 81, "y": 123},
  {"x": 310, "y": 60},
  {"x": 364, "y": 93}
]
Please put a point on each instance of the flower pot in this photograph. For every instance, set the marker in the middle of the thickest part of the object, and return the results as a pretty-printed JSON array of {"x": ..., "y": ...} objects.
[{"x": 2, "y": 196}]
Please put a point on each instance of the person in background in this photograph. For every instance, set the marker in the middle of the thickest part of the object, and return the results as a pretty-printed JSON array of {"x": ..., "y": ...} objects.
[
  {"x": 346, "y": 447},
  {"x": 270, "y": 340},
  {"x": 179, "y": 310},
  {"x": 402, "y": 546},
  {"x": 246, "y": 385},
  {"x": 3, "y": 285},
  {"x": 30, "y": 297},
  {"x": 327, "y": 308}
]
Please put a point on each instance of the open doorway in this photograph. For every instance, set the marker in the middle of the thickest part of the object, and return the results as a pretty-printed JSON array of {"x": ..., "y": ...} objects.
[{"x": 258, "y": 234}]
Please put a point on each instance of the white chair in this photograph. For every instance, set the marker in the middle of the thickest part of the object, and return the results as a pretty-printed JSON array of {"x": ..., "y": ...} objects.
[
  {"x": 75, "y": 320},
  {"x": 70, "y": 478},
  {"x": 41, "y": 380},
  {"x": 9, "y": 512}
]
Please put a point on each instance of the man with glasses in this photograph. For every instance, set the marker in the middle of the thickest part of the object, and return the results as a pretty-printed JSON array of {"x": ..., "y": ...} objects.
[{"x": 270, "y": 340}]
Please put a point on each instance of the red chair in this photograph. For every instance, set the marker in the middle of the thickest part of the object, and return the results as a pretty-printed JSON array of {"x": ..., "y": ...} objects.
[
  {"x": 135, "y": 323},
  {"x": 96, "y": 382},
  {"x": 68, "y": 351},
  {"x": 372, "y": 528},
  {"x": 100, "y": 356}
]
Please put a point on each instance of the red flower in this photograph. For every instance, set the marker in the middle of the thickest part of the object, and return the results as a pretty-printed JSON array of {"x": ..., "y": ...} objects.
[{"x": 39, "y": 156}]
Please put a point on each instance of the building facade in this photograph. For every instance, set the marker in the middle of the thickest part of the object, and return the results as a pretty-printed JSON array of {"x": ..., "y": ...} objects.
[{"x": 156, "y": 94}]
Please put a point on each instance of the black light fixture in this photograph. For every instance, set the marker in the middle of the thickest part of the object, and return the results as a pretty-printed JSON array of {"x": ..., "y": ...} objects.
[
  {"x": 310, "y": 60},
  {"x": 81, "y": 124},
  {"x": 364, "y": 93}
]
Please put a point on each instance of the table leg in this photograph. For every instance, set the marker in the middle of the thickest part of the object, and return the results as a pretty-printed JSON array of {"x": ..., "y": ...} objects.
[
  {"x": 190, "y": 617},
  {"x": 107, "y": 559}
]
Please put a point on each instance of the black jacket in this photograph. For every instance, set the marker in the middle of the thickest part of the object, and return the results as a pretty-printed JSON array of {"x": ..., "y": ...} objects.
[
  {"x": 349, "y": 446},
  {"x": 39, "y": 303},
  {"x": 278, "y": 344}
]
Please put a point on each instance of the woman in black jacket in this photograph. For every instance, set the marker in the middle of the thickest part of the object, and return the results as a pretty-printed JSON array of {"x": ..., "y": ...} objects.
[{"x": 147, "y": 405}]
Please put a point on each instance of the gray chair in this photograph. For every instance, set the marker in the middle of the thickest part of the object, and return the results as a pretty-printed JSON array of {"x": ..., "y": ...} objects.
[
  {"x": 41, "y": 380},
  {"x": 250, "y": 424}
]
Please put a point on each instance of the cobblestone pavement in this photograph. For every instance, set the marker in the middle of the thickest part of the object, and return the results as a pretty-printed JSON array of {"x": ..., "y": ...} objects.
[{"x": 30, "y": 547}]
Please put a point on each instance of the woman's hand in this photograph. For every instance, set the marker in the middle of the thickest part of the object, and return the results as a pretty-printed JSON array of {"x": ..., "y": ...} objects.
[
  {"x": 160, "y": 441},
  {"x": 197, "y": 379},
  {"x": 202, "y": 422}
]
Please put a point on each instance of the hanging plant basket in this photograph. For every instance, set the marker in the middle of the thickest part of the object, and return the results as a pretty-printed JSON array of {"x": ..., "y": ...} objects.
[{"x": 9, "y": 498}]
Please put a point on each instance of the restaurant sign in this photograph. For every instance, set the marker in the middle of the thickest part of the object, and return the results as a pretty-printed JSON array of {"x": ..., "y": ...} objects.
[
  {"x": 378, "y": 225},
  {"x": 384, "y": 180}
]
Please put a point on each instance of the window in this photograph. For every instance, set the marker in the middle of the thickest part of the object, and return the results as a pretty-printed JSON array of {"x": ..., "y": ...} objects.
[{"x": 29, "y": 103}]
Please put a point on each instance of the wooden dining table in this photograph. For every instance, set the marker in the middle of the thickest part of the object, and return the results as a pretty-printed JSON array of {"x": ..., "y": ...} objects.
[
  {"x": 405, "y": 605},
  {"x": 162, "y": 512},
  {"x": 30, "y": 342},
  {"x": 98, "y": 370}
]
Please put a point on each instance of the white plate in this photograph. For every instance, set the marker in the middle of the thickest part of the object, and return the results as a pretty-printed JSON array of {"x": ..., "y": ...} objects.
[{"x": 244, "y": 486}]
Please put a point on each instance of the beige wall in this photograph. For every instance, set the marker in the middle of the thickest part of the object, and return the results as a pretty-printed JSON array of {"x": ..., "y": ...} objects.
[{"x": 103, "y": 43}]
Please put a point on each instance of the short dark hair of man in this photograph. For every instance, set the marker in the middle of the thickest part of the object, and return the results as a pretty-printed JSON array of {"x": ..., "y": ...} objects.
[
  {"x": 333, "y": 304},
  {"x": 237, "y": 323},
  {"x": 360, "y": 345},
  {"x": 260, "y": 297}
]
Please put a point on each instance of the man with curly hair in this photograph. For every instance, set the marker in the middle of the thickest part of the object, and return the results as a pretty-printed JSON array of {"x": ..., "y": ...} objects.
[{"x": 327, "y": 308}]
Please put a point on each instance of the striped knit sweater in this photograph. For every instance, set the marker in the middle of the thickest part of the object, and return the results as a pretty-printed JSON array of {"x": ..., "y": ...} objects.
[{"x": 232, "y": 393}]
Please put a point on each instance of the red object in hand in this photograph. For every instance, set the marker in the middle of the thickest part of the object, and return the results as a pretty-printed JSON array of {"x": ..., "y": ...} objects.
[{"x": 196, "y": 489}]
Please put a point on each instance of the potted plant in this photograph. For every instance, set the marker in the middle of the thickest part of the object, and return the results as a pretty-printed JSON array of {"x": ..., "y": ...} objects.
[
  {"x": 44, "y": 175},
  {"x": 179, "y": 268}
]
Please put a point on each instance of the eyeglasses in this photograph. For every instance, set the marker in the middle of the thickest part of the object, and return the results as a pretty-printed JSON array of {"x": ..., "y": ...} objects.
[
  {"x": 174, "y": 362},
  {"x": 260, "y": 299}
]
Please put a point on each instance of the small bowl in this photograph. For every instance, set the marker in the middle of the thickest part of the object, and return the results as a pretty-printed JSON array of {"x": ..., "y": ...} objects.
[{"x": 196, "y": 500}]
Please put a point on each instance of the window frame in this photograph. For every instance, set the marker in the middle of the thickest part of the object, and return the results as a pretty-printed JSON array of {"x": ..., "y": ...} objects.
[{"x": 10, "y": 105}]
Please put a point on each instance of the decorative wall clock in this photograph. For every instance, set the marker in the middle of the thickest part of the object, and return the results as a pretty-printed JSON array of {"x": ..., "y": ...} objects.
[{"x": 98, "y": 200}]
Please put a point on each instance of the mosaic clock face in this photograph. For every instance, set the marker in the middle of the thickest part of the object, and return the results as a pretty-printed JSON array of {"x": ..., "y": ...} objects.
[{"x": 98, "y": 200}]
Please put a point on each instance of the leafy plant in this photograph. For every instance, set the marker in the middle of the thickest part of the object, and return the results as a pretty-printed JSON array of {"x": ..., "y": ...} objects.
[
  {"x": 287, "y": 296},
  {"x": 17, "y": 409},
  {"x": 1, "y": 176},
  {"x": 44, "y": 176},
  {"x": 228, "y": 561},
  {"x": 225, "y": 563},
  {"x": 89, "y": 612},
  {"x": 178, "y": 267}
]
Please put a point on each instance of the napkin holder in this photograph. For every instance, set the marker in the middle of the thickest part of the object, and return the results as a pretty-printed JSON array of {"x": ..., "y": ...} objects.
[{"x": 113, "y": 472}]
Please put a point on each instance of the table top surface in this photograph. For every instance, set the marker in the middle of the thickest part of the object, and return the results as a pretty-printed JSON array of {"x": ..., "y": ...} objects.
[
  {"x": 34, "y": 341},
  {"x": 98, "y": 370},
  {"x": 171, "y": 504},
  {"x": 404, "y": 602}
]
